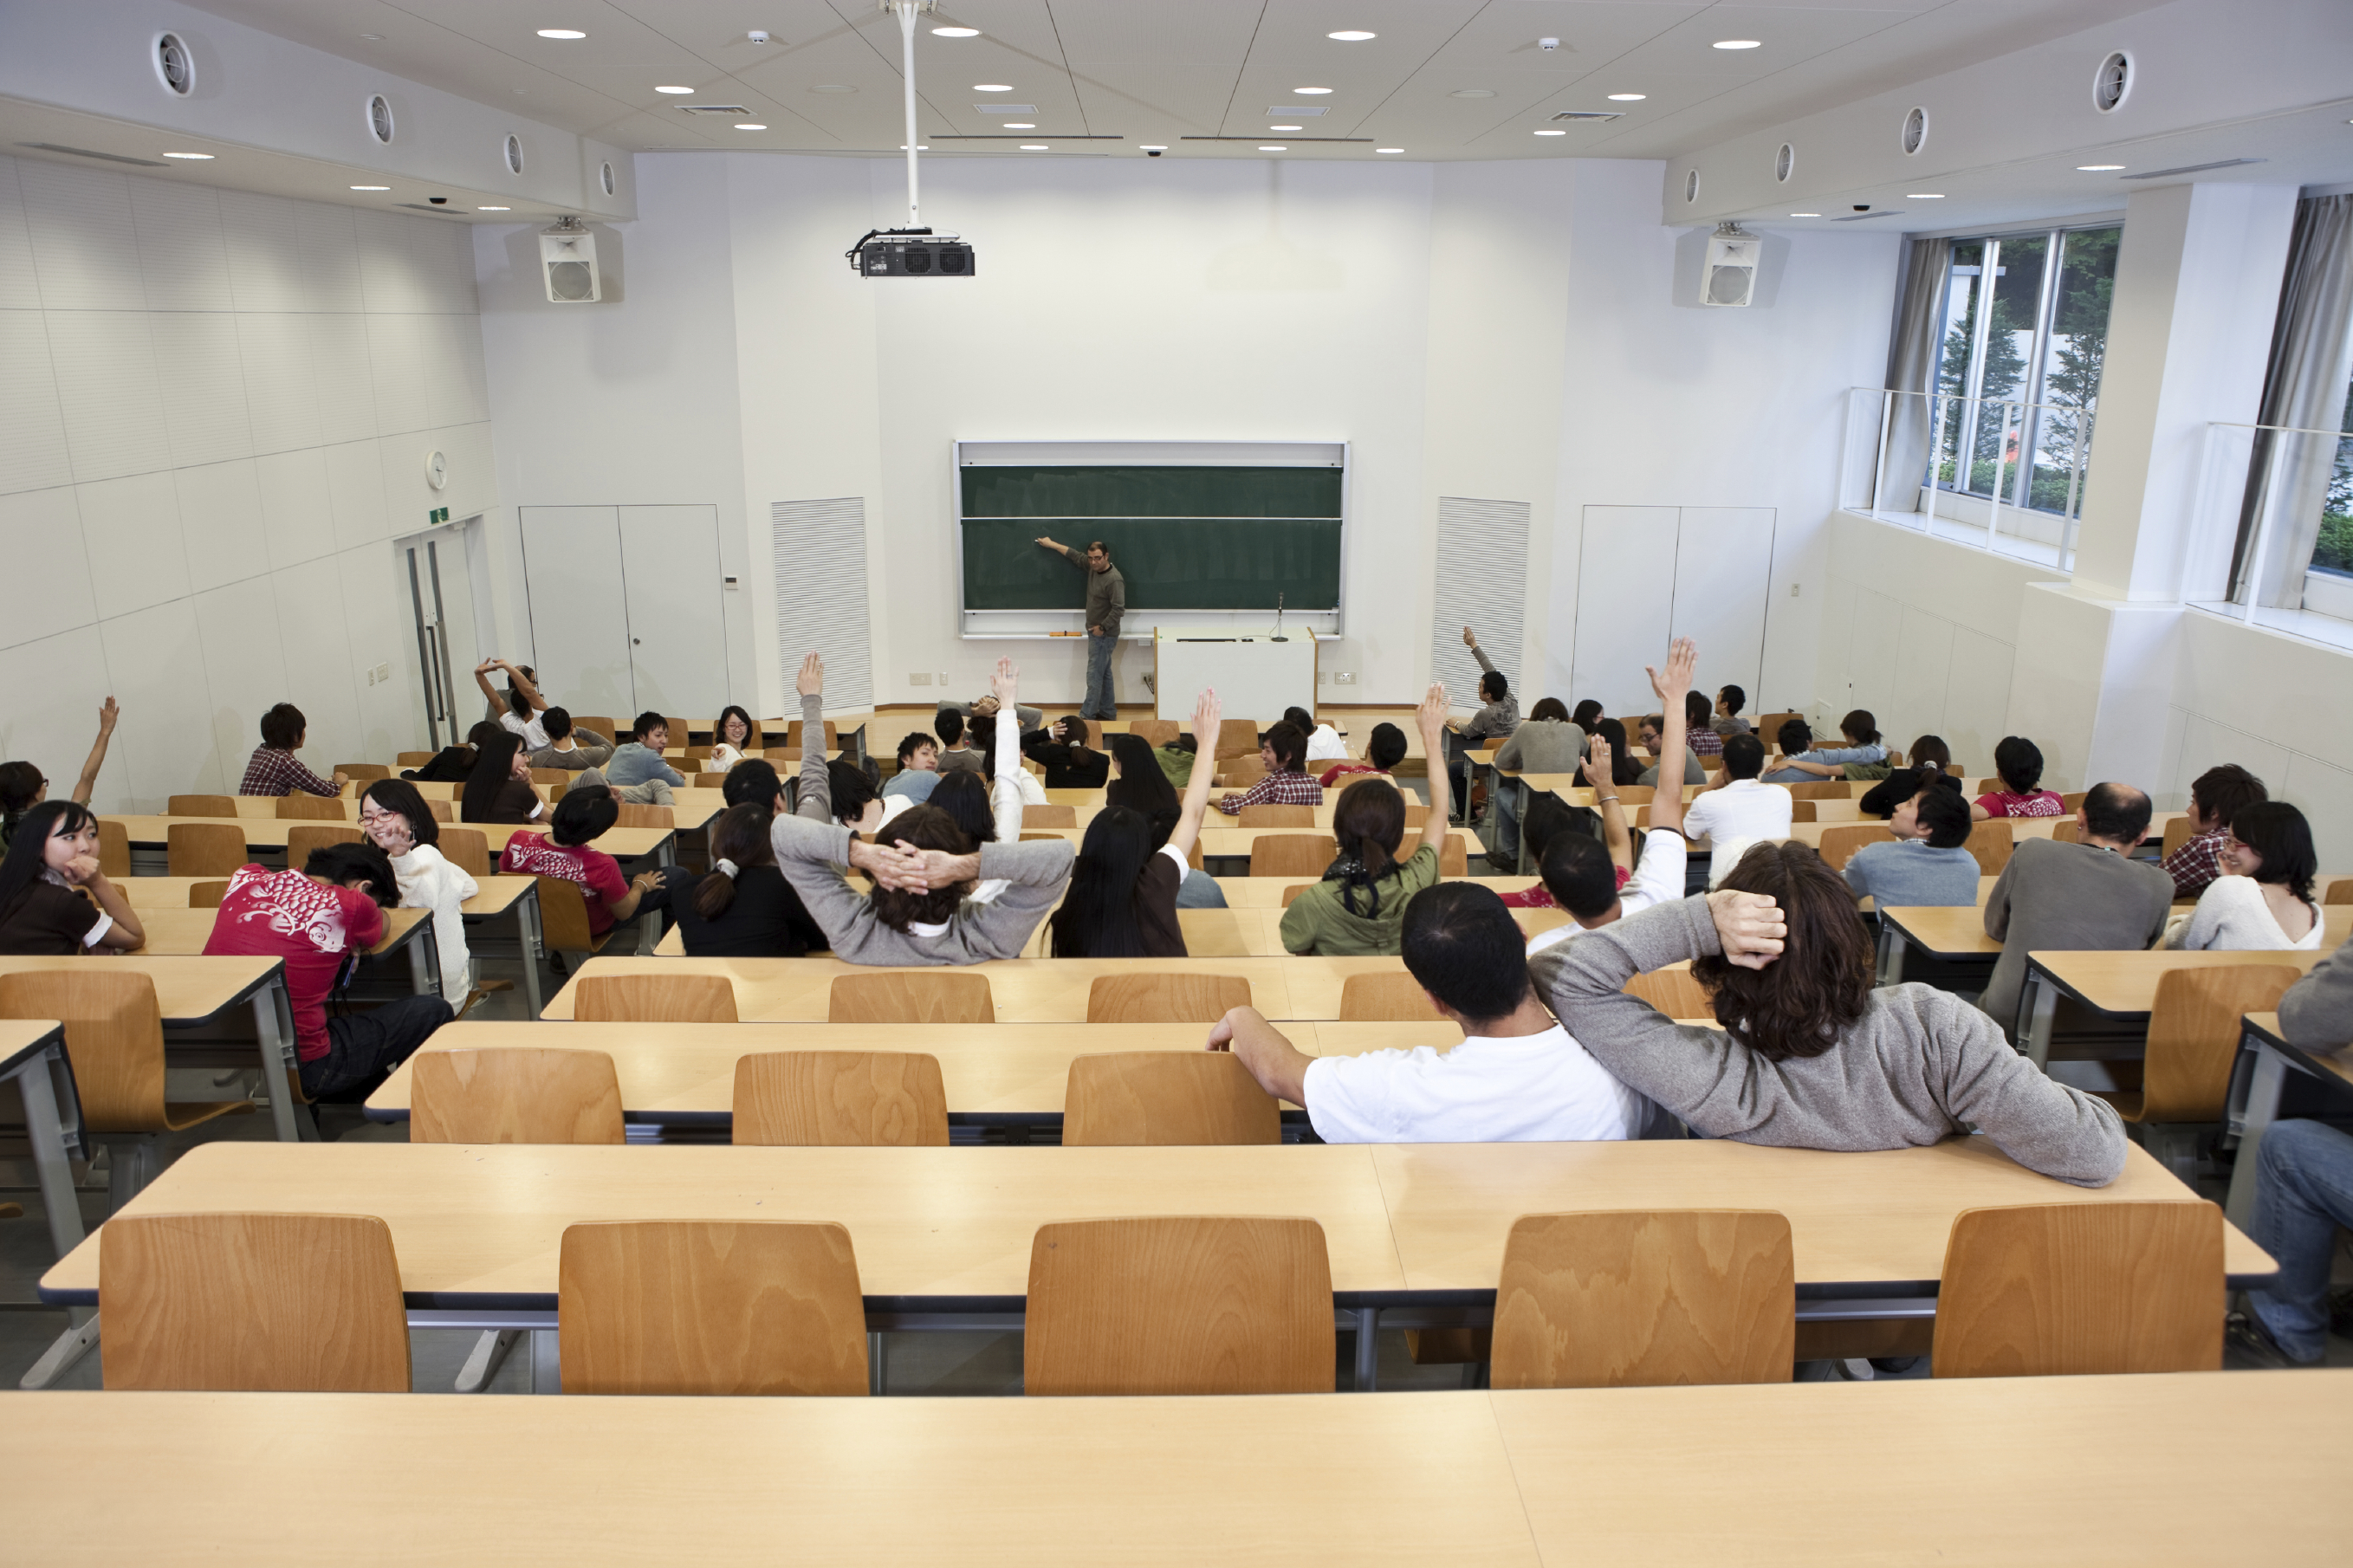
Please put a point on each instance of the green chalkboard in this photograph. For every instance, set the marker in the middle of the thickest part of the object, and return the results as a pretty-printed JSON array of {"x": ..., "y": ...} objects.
[{"x": 1185, "y": 538}]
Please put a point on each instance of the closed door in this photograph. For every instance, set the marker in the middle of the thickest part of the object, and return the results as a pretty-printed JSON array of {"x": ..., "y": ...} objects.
[
  {"x": 579, "y": 613},
  {"x": 1724, "y": 568},
  {"x": 441, "y": 598},
  {"x": 678, "y": 646},
  {"x": 1625, "y": 602}
]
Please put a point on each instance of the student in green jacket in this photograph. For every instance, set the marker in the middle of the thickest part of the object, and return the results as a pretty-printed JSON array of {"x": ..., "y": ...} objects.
[{"x": 1357, "y": 910}]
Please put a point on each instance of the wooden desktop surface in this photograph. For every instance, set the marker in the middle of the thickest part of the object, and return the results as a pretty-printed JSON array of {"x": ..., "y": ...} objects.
[
  {"x": 185, "y": 930},
  {"x": 188, "y": 990},
  {"x": 18, "y": 1035},
  {"x": 1266, "y": 892},
  {"x": 1237, "y": 841},
  {"x": 270, "y": 833},
  {"x": 2125, "y": 983},
  {"x": 989, "y": 1069},
  {"x": 2338, "y": 1062},
  {"x": 498, "y": 894},
  {"x": 1948, "y": 931},
  {"x": 1254, "y": 933},
  {"x": 690, "y": 808},
  {"x": 1024, "y": 990}
]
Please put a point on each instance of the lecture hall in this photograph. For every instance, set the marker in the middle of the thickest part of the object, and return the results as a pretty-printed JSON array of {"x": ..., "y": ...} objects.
[{"x": 1274, "y": 780}]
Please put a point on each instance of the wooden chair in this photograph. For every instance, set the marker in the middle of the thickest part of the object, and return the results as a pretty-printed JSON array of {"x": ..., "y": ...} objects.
[
  {"x": 440, "y": 810},
  {"x": 1277, "y": 817},
  {"x": 1240, "y": 772},
  {"x": 207, "y": 895},
  {"x": 564, "y": 918},
  {"x": 1453, "y": 855},
  {"x": 783, "y": 754},
  {"x": 1768, "y": 728},
  {"x": 1990, "y": 844},
  {"x": 1179, "y": 1304},
  {"x": 312, "y": 808},
  {"x": 413, "y": 759},
  {"x": 911, "y": 996},
  {"x": 1637, "y": 794},
  {"x": 832, "y": 739},
  {"x": 2178, "y": 832},
  {"x": 301, "y": 841},
  {"x": 1050, "y": 817},
  {"x": 1385, "y": 998},
  {"x": 543, "y": 777},
  {"x": 363, "y": 772},
  {"x": 113, "y": 848},
  {"x": 469, "y": 850},
  {"x": 681, "y": 731},
  {"x": 710, "y": 1307},
  {"x": 692, "y": 758},
  {"x": 262, "y": 1302},
  {"x": 597, "y": 722},
  {"x": 114, "y": 1040},
  {"x": 1827, "y": 789},
  {"x": 1800, "y": 811},
  {"x": 2194, "y": 1045},
  {"x": 894, "y": 1098},
  {"x": 1291, "y": 894},
  {"x": 514, "y": 1094},
  {"x": 1673, "y": 992},
  {"x": 2068, "y": 832},
  {"x": 1840, "y": 844},
  {"x": 2340, "y": 891},
  {"x": 204, "y": 848},
  {"x": 1634, "y": 1299},
  {"x": 2060, "y": 1290},
  {"x": 1292, "y": 854},
  {"x": 201, "y": 805},
  {"x": 634, "y": 815},
  {"x": 1156, "y": 733},
  {"x": 656, "y": 998},
  {"x": 1165, "y": 997},
  {"x": 2073, "y": 799},
  {"x": 1166, "y": 1097},
  {"x": 1238, "y": 738}
]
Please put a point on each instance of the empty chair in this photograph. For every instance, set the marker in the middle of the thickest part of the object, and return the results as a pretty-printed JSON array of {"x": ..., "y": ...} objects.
[
  {"x": 1673, "y": 992},
  {"x": 113, "y": 848},
  {"x": 1827, "y": 789},
  {"x": 710, "y": 1307},
  {"x": 114, "y": 1039},
  {"x": 412, "y": 759},
  {"x": 363, "y": 772},
  {"x": 1156, "y": 732},
  {"x": 1800, "y": 811},
  {"x": 1292, "y": 854},
  {"x": 1241, "y": 771},
  {"x": 1238, "y": 738},
  {"x": 2340, "y": 891},
  {"x": 200, "y": 806},
  {"x": 301, "y": 841},
  {"x": 1276, "y": 816},
  {"x": 911, "y": 996},
  {"x": 1166, "y": 1097},
  {"x": 1840, "y": 844},
  {"x": 1179, "y": 1304},
  {"x": 2194, "y": 1044},
  {"x": 440, "y": 810},
  {"x": 2068, "y": 832},
  {"x": 793, "y": 736},
  {"x": 207, "y": 895},
  {"x": 634, "y": 815},
  {"x": 262, "y": 1302},
  {"x": 692, "y": 757},
  {"x": 2177, "y": 833},
  {"x": 1385, "y": 998},
  {"x": 1454, "y": 856},
  {"x": 1635, "y": 1298},
  {"x": 656, "y": 998},
  {"x": 1165, "y": 997},
  {"x": 312, "y": 808},
  {"x": 1990, "y": 844},
  {"x": 1050, "y": 817},
  {"x": 595, "y": 723},
  {"x": 2073, "y": 798},
  {"x": 2055, "y": 1290},
  {"x": 896, "y": 1099},
  {"x": 469, "y": 850},
  {"x": 204, "y": 848},
  {"x": 513, "y": 1094}
]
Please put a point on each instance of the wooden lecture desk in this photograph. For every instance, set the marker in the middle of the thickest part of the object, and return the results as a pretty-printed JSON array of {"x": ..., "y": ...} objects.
[
  {"x": 1234, "y": 843},
  {"x": 153, "y": 834},
  {"x": 942, "y": 1234},
  {"x": 2253, "y": 1117},
  {"x": 1266, "y": 892},
  {"x": 406, "y": 932},
  {"x": 691, "y": 809},
  {"x": 2119, "y": 985},
  {"x": 195, "y": 992},
  {"x": 1025, "y": 990},
  {"x": 1950, "y": 933},
  {"x": 683, "y": 1075}
]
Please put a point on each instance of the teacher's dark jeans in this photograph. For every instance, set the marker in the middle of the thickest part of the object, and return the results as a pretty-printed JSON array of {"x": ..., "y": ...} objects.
[{"x": 1100, "y": 702}]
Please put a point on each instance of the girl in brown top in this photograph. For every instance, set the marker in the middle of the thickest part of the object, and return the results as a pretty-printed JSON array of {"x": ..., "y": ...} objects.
[
  {"x": 499, "y": 789},
  {"x": 1121, "y": 900},
  {"x": 52, "y": 862}
]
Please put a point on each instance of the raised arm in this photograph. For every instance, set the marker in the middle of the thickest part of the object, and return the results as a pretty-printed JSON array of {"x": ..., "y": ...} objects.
[
  {"x": 598, "y": 749},
  {"x": 1005, "y": 790},
  {"x": 1673, "y": 687},
  {"x": 97, "y": 759},
  {"x": 1431, "y": 717},
  {"x": 522, "y": 683},
  {"x": 1620, "y": 842},
  {"x": 815, "y": 802},
  {"x": 1063, "y": 551},
  {"x": 1207, "y": 715},
  {"x": 482, "y": 679}
]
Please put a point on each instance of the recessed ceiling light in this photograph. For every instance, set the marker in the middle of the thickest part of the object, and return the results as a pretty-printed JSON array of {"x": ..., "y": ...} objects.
[
  {"x": 1153, "y": 147},
  {"x": 1552, "y": 132},
  {"x": 370, "y": 187},
  {"x": 920, "y": 146},
  {"x": 1035, "y": 147},
  {"x": 192, "y": 157},
  {"x": 2105, "y": 168},
  {"x": 1628, "y": 97},
  {"x": 1472, "y": 92},
  {"x": 1352, "y": 37},
  {"x": 750, "y": 125},
  {"x": 494, "y": 209},
  {"x": 1312, "y": 92},
  {"x": 1274, "y": 148},
  {"x": 1021, "y": 125},
  {"x": 956, "y": 32},
  {"x": 1924, "y": 196},
  {"x": 1388, "y": 149},
  {"x": 1286, "y": 128},
  {"x": 371, "y": 38},
  {"x": 1805, "y": 214},
  {"x": 1738, "y": 44},
  {"x": 562, "y": 33},
  {"x": 990, "y": 86},
  {"x": 673, "y": 89}
]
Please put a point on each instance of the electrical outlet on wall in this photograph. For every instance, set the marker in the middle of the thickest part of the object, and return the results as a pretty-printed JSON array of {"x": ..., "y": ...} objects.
[
  {"x": 944, "y": 678},
  {"x": 922, "y": 678},
  {"x": 1793, "y": 589}
]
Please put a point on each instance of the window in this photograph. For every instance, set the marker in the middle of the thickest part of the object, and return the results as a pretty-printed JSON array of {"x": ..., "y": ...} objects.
[
  {"x": 2333, "y": 552},
  {"x": 2017, "y": 378}
]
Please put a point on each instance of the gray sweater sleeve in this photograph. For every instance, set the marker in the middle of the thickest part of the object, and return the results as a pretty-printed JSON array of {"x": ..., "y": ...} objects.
[
  {"x": 2318, "y": 1009},
  {"x": 597, "y": 748},
  {"x": 816, "y": 802},
  {"x": 812, "y": 856}
]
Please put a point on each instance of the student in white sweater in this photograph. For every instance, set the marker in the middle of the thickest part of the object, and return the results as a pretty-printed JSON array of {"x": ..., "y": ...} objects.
[
  {"x": 2263, "y": 901},
  {"x": 396, "y": 820}
]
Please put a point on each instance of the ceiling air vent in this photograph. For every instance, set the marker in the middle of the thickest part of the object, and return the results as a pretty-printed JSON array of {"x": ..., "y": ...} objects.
[
  {"x": 606, "y": 179},
  {"x": 1591, "y": 114},
  {"x": 732, "y": 111},
  {"x": 1310, "y": 110},
  {"x": 94, "y": 153},
  {"x": 1915, "y": 132},
  {"x": 1690, "y": 185},
  {"x": 175, "y": 67},
  {"x": 1785, "y": 163},
  {"x": 2114, "y": 83},
  {"x": 514, "y": 154},
  {"x": 1866, "y": 218},
  {"x": 1004, "y": 109},
  {"x": 379, "y": 119},
  {"x": 2193, "y": 168}
]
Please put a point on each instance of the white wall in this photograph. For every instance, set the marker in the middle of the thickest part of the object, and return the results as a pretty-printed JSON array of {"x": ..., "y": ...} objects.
[{"x": 215, "y": 409}]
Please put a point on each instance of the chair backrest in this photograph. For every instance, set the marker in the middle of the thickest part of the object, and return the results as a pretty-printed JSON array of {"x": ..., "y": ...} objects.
[
  {"x": 1800, "y": 811},
  {"x": 1673, "y": 992},
  {"x": 1237, "y": 738},
  {"x": 363, "y": 772},
  {"x": 469, "y": 850},
  {"x": 1165, "y": 997},
  {"x": 1166, "y": 1097},
  {"x": 1990, "y": 845},
  {"x": 1385, "y": 998},
  {"x": 1768, "y": 727},
  {"x": 207, "y": 895},
  {"x": 1292, "y": 854},
  {"x": 312, "y": 808},
  {"x": 301, "y": 841},
  {"x": 1839, "y": 844},
  {"x": 1156, "y": 733},
  {"x": 1050, "y": 817},
  {"x": 2177, "y": 832},
  {"x": 695, "y": 754},
  {"x": 2053, "y": 1290},
  {"x": 265, "y": 1302},
  {"x": 2340, "y": 891},
  {"x": 832, "y": 739},
  {"x": 113, "y": 848},
  {"x": 1637, "y": 794},
  {"x": 1241, "y": 771},
  {"x": 1179, "y": 1304},
  {"x": 1291, "y": 894},
  {"x": 1827, "y": 789},
  {"x": 204, "y": 848},
  {"x": 634, "y": 815},
  {"x": 114, "y": 1038},
  {"x": 1276, "y": 816},
  {"x": 440, "y": 810},
  {"x": 681, "y": 731},
  {"x": 911, "y": 996},
  {"x": 513, "y": 1094},
  {"x": 2193, "y": 1035},
  {"x": 200, "y": 806},
  {"x": 841, "y": 1098},
  {"x": 675, "y": 1306},
  {"x": 551, "y": 776},
  {"x": 1636, "y": 1298},
  {"x": 1453, "y": 855},
  {"x": 657, "y": 998},
  {"x": 596, "y": 724},
  {"x": 413, "y": 759},
  {"x": 2067, "y": 832},
  {"x": 2073, "y": 799}
]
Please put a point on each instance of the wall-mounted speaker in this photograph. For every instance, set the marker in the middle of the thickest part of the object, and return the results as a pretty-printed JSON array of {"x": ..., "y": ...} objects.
[
  {"x": 567, "y": 264},
  {"x": 1729, "y": 275}
]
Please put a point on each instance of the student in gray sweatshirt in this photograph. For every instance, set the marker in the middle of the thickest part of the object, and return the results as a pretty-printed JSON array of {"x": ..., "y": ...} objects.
[
  {"x": 1810, "y": 1056},
  {"x": 2054, "y": 897}
]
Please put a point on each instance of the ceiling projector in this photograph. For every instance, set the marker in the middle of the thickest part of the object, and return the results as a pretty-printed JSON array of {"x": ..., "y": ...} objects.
[{"x": 910, "y": 253}]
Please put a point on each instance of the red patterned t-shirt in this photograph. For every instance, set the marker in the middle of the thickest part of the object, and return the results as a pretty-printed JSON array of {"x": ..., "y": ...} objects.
[{"x": 311, "y": 925}]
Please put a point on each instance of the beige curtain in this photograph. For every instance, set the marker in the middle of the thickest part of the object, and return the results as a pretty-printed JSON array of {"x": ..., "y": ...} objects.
[
  {"x": 2303, "y": 388},
  {"x": 1911, "y": 367}
]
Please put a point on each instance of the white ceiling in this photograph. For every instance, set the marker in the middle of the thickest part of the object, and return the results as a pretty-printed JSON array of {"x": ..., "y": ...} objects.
[{"x": 1161, "y": 72}]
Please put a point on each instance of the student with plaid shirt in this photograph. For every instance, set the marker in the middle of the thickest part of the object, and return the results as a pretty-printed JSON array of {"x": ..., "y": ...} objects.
[
  {"x": 1703, "y": 741},
  {"x": 1283, "y": 750},
  {"x": 2218, "y": 795},
  {"x": 273, "y": 770}
]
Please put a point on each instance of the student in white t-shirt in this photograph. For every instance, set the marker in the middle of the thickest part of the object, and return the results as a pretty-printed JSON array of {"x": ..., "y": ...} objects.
[
  {"x": 1736, "y": 805},
  {"x": 1323, "y": 742},
  {"x": 1517, "y": 1077},
  {"x": 519, "y": 706}
]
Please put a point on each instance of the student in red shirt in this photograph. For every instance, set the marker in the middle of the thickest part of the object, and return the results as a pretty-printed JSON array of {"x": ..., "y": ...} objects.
[
  {"x": 319, "y": 919},
  {"x": 1383, "y": 752},
  {"x": 2019, "y": 761},
  {"x": 581, "y": 815}
]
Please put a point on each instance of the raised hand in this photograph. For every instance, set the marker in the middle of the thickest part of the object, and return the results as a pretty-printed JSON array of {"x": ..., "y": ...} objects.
[
  {"x": 1431, "y": 715},
  {"x": 106, "y": 716},
  {"x": 811, "y": 680},
  {"x": 1208, "y": 715},
  {"x": 1469, "y": 640},
  {"x": 1596, "y": 769},
  {"x": 1005, "y": 684},
  {"x": 1682, "y": 655}
]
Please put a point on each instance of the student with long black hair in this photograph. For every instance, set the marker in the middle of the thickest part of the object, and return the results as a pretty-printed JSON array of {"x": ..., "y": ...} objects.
[
  {"x": 23, "y": 785},
  {"x": 499, "y": 789},
  {"x": 52, "y": 862},
  {"x": 2263, "y": 900},
  {"x": 397, "y": 821},
  {"x": 1358, "y": 908},
  {"x": 1141, "y": 784},
  {"x": 1121, "y": 900},
  {"x": 744, "y": 908}
]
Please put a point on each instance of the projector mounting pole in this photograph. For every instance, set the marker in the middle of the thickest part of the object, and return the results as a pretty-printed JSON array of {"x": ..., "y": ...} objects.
[{"x": 907, "y": 10}]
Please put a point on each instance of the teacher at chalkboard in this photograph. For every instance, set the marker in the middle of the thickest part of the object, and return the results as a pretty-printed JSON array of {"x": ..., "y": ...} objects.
[{"x": 1106, "y": 602}]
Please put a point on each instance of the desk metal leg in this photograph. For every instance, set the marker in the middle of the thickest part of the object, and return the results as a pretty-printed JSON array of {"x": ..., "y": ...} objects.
[
  {"x": 278, "y": 1060},
  {"x": 527, "y": 932},
  {"x": 546, "y": 1363},
  {"x": 2038, "y": 1005},
  {"x": 2262, "y": 1106},
  {"x": 1369, "y": 1348},
  {"x": 67, "y": 1348},
  {"x": 45, "y": 1130},
  {"x": 425, "y": 962},
  {"x": 1891, "y": 954}
]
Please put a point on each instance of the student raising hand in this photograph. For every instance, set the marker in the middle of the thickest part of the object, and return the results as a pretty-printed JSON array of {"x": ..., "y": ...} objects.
[
  {"x": 1006, "y": 685},
  {"x": 811, "y": 680}
]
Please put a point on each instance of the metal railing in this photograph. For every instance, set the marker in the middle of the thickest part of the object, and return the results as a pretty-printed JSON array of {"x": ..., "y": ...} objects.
[
  {"x": 2222, "y": 574},
  {"x": 1986, "y": 451}
]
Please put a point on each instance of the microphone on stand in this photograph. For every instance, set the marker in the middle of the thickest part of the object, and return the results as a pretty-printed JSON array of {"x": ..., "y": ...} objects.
[{"x": 1278, "y": 621}]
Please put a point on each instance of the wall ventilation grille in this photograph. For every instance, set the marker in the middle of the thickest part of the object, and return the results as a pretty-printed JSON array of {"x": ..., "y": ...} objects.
[
  {"x": 732, "y": 111},
  {"x": 606, "y": 179},
  {"x": 1585, "y": 114},
  {"x": 2114, "y": 83},
  {"x": 94, "y": 153},
  {"x": 821, "y": 556},
  {"x": 1915, "y": 132},
  {"x": 175, "y": 67},
  {"x": 514, "y": 154},
  {"x": 1785, "y": 163},
  {"x": 1479, "y": 544},
  {"x": 2193, "y": 168},
  {"x": 379, "y": 119}
]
